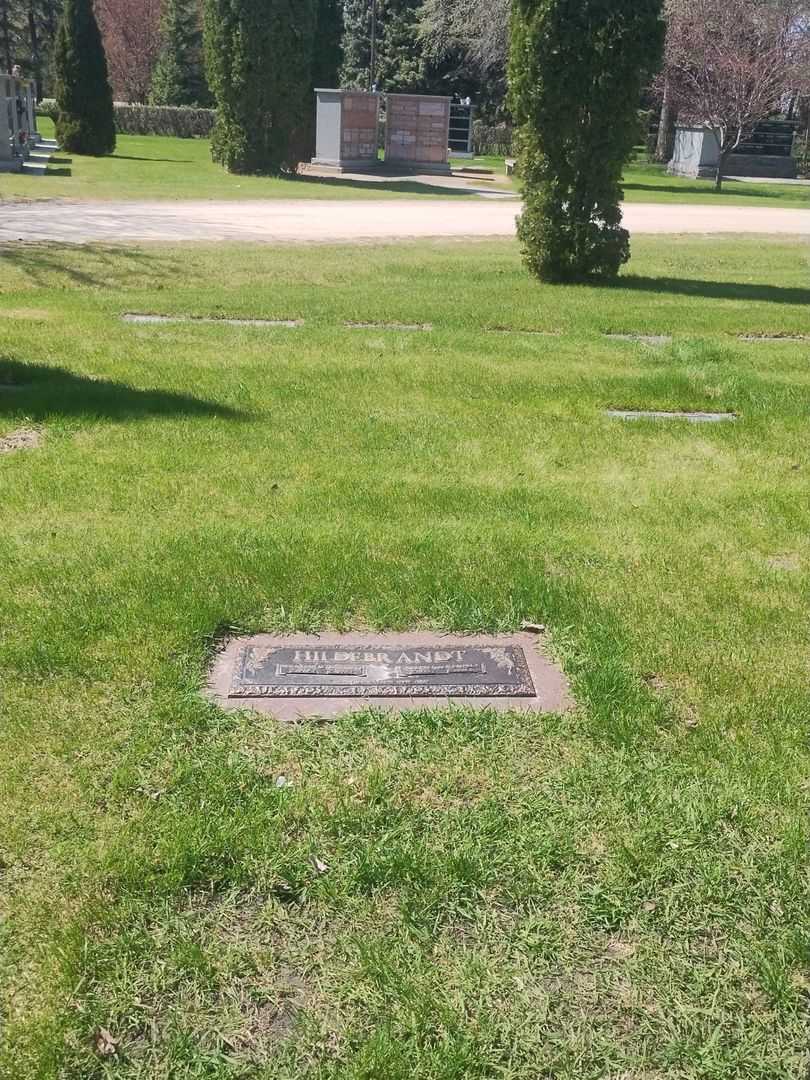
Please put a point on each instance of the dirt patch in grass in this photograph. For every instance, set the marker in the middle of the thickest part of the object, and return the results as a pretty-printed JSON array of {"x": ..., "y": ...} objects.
[
  {"x": 22, "y": 439},
  {"x": 681, "y": 709},
  {"x": 784, "y": 562}
]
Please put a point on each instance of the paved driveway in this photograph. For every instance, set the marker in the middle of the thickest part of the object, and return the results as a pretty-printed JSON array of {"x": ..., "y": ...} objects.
[{"x": 282, "y": 220}]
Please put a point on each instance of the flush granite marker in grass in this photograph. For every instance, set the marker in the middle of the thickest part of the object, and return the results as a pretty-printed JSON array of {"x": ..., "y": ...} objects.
[
  {"x": 658, "y": 414},
  {"x": 149, "y": 318},
  {"x": 324, "y": 675}
]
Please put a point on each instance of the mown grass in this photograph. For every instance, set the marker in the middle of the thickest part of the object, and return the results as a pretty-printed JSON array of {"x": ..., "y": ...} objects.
[
  {"x": 160, "y": 167},
  {"x": 619, "y": 891},
  {"x": 650, "y": 183},
  {"x": 157, "y": 167}
]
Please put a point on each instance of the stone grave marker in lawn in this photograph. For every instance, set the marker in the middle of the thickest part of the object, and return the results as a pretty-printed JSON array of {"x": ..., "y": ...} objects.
[
  {"x": 659, "y": 414},
  {"x": 324, "y": 675},
  {"x": 150, "y": 318}
]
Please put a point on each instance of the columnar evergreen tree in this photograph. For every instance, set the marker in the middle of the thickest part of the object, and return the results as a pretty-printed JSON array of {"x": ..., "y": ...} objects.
[
  {"x": 576, "y": 72},
  {"x": 168, "y": 78},
  {"x": 84, "y": 104},
  {"x": 178, "y": 78},
  {"x": 259, "y": 63}
]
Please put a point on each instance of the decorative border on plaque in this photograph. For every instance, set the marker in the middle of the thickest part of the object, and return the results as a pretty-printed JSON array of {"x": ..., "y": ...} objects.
[{"x": 510, "y": 658}]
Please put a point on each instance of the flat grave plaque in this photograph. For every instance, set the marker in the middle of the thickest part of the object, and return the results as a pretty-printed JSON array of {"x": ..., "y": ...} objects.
[
  {"x": 325, "y": 675},
  {"x": 365, "y": 671}
]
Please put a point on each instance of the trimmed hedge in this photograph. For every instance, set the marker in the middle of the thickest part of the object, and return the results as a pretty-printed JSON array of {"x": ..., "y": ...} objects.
[
  {"x": 181, "y": 121},
  {"x": 494, "y": 139}
]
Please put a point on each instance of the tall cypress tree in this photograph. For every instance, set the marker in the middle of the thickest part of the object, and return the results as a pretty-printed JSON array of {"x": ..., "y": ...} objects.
[
  {"x": 85, "y": 122},
  {"x": 259, "y": 62},
  {"x": 576, "y": 73}
]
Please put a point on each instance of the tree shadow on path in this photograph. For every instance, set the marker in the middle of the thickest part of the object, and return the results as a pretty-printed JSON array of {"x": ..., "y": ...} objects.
[{"x": 38, "y": 391}]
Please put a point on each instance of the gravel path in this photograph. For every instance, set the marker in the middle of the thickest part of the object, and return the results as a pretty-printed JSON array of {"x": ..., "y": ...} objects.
[{"x": 346, "y": 220}]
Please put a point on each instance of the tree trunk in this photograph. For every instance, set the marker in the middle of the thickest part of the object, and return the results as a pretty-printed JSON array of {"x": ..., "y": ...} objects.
[
  {"x": 718, "y": 178},
  {"x": 666, "y": 129}
]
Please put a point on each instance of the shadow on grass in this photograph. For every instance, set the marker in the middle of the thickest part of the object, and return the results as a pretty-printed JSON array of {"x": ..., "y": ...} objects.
[
  {"x": 730, "y": 187},
  {"x": 61, "y": 171},
  {"x": 42, "y": 263},
  {"x": 402, "y": 187},
  {"x": 165, "y": 160},
  {"x": 39, "y": 391},
  {"x": 715, "y": 290}
]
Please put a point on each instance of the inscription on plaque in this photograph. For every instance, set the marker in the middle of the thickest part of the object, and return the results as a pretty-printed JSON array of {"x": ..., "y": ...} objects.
[{"x": 368, "y": 671}]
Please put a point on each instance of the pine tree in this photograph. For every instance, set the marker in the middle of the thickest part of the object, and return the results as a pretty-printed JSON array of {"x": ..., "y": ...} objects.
[
  {"x": 576, "y": 72},
  {"x": 84, "y": 119},
  {"x": 328, "y": 54},
  {"x": 259, "y": 62},
  {"x": 169, "y": 77},
  {"x": 178, "y": 78},
  {"x": 401, "y": 65},
  {"x": 356, "y": 44},
  {"x": 400, "y": 60}
]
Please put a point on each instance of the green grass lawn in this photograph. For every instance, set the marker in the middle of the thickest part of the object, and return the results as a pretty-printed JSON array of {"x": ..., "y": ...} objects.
[
  {"x": 648, "y": 183},
  {"x": 157, "y": 167},
  {"x": 651, "y": 183},
  {"x": 620, "y": 891}
]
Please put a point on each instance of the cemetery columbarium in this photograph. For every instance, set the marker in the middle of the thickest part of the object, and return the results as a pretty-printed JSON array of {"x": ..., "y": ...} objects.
[
  {"x": 18, "y": 121},
  {"x": 417, "y": 131}
]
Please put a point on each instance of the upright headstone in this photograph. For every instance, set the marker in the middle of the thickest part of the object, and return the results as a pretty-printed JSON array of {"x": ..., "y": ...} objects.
[
  {"x": 31, "y": 112},
  {"x": 417, "y": 132},
  {"x": 19, "y": 119},
  {"x": 8, "y": 158},
  {"x": 347, "y": 129}
]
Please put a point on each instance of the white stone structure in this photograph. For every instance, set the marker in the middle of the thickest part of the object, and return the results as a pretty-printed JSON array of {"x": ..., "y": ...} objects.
[
  {"x": 696, "y": 153},
  {"x": 18, "y": 121}
]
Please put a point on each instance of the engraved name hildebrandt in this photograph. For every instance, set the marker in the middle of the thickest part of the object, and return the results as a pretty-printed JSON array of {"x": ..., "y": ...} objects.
[{"x": 366, "y": 671}]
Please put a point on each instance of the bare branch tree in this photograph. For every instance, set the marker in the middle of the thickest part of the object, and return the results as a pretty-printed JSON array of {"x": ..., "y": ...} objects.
[
  {"x": 131, "y": 32},
  {"x": 731, "y": 63},
  {"x": 479, "y": 28}
]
